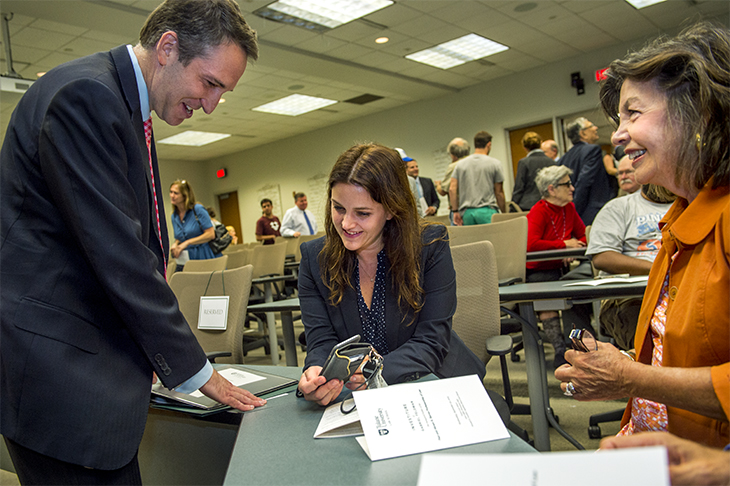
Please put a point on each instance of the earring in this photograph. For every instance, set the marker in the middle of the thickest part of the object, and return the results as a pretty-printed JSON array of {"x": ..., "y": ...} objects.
[{"x": 698, "y": 141}]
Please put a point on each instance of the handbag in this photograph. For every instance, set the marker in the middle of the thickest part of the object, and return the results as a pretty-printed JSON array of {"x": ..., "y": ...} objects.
[{"x": 222, "y": 237}]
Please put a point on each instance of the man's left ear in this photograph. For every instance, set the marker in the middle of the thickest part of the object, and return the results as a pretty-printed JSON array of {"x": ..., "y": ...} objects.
[{"x": 167, "y": 48}]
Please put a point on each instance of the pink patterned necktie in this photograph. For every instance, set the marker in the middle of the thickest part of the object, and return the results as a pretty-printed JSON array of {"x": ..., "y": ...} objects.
[{"x": 148, "y": 138}]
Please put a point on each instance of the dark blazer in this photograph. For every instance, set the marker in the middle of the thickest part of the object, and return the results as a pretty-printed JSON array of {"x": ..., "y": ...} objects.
[
  {"x": 591, "y": 181},
  {"x": 428, "y": 345},
  {"x": 429, "y": 192},
  {"x": 86, "y": 314},
  {"x": 525, "y": 193}
]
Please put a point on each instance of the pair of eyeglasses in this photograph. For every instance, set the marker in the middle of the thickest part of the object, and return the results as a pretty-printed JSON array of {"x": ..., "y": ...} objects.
[
  {"x": 583, "y": 340},
  {"x": 566, "y": 184}
]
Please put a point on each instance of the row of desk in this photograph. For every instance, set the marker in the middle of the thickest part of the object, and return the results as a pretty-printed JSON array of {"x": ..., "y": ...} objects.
[{"x": 529, "y": 296}]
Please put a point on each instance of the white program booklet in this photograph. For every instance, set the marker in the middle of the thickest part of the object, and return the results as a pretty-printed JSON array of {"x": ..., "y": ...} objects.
[
  {"x": 646, "y": 466},
  {"x": 335, "y": 424},
  {"x": 426, "y": 416}
]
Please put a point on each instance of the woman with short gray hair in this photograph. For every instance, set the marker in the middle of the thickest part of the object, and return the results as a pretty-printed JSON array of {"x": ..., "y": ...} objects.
[{"x": 552, "y": 224}]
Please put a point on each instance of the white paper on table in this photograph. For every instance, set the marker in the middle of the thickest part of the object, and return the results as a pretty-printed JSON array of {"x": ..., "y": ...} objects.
[
  {"x": 427, "y": 416},
  {"x": 646, "y": 466},
  {"x": 237, "y": 377},
  {"x": 335, "y": 424},
  {"x": 608, "y": 280}
]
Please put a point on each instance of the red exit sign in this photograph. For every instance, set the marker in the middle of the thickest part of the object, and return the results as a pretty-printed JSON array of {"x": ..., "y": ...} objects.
[{"x": 601, "y": 75}]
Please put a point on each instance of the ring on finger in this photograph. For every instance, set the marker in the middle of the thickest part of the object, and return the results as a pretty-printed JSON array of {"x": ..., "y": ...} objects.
[{"x": 569, "y": 389}]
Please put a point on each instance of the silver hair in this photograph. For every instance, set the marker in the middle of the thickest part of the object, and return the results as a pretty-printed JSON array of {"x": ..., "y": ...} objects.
[
  {"x": 572, "y": 131},
  {"x": 459, "y": 148},
  {"x": 550, "y": 176}
]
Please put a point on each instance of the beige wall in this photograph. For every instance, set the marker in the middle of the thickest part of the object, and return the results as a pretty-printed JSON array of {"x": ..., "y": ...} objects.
[{"x": 420, "y": 128}]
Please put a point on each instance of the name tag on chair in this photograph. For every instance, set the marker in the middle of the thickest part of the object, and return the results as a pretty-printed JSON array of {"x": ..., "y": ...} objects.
[{"x": 213, "y": 313}]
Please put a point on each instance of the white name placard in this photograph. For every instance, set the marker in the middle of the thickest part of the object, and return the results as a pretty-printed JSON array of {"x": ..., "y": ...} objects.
[{"x": 213, "y": 313}]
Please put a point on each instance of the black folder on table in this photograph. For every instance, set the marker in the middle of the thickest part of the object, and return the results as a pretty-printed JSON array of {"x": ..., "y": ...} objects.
[{"x": 257, "y": 382}]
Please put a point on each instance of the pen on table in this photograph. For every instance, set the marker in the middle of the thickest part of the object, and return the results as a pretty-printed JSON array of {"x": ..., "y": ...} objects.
[{"x": 277, "y": 396}]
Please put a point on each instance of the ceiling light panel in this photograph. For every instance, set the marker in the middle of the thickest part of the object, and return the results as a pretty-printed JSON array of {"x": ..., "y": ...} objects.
[
  {"x": 330, "y": 13},
  {"x": 192, "y": 138},
  {"x": 458, "y": 51},
  {"x": 637, "y": 4},
  {"x": 294, "y": 105}
]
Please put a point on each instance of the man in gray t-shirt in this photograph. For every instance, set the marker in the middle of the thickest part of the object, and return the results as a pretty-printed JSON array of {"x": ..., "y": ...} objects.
[
  {"x": 476, "y": 185},
  {"x": 625, "y": 239}
]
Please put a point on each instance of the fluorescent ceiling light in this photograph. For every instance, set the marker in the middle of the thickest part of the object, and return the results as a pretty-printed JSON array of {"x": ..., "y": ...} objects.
[
  {"x": 457, "y": 51},
  {"x": 329, "y": 13},
  {"x": 637, "y": 4},
  {"x": 194, "y": 139},
  {"x": 294, "y": 105}
]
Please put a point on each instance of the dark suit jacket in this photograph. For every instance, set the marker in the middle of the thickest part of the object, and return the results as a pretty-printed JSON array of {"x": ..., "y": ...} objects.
[
  {"x": 86, "y": 313},
  {"x": 525, "y": 193},
  {"x": 429, "y": 192},
  {"x": 429, "y": 345},
  {"x": 591, "y": 181}
]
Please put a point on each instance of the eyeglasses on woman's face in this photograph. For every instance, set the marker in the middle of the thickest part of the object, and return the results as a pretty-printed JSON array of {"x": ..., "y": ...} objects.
[{"x": 566, "y": 184}]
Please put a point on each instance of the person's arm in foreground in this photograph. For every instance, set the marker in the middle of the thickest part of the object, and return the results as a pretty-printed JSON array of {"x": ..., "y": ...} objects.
[
  {"x": 606, "y": 374},
  {"x": 690, "y": 463}
]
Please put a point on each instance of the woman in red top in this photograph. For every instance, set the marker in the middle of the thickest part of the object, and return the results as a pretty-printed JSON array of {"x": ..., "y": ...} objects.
[{"x": 553, "y": 223}]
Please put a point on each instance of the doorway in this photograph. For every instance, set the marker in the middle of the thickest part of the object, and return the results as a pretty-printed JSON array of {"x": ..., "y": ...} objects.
[
  {"x": 229, "y": 212},
  {"x": 545, "y": 130}
]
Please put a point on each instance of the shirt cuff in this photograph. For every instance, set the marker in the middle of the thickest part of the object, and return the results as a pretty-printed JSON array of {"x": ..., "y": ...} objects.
[{"x": 198, "y": 380}]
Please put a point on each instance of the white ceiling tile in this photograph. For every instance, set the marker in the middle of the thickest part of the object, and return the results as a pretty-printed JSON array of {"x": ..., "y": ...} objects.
[
  {"x": 320, "y": 43},
  {"x": 393, "y": 14},
  {"x": 349, "y": 51},
  {"x": 58, "y": 27},
  {"x": 425, "y": 5},
  {"x": 420, "y": 25},
  {"x": 354, "y": 30},
  {"x": 393, "y": 38},
  {"x": 41, "y": 39},
  {"x": 457, "y": 12},
  {"x": 550, "y": 50},
  {"x": 290, "y": 35},
  {"x": 81, "y": 46},
  {"x": 110, "y": 38},
  {"x": 444, "y": 34}
]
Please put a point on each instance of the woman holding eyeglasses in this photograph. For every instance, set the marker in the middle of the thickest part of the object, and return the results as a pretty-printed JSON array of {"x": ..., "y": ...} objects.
[
  {"x": 552, "y": 224},
  {"x": 382, "y": 273},
  {"x": 671, "y": 102},
  {"x": 191, "y": 223}
]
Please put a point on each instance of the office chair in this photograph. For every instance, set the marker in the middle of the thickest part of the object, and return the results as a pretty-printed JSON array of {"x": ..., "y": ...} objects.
[
  {"x": 210, "y": 265},
  {"x": 477, "y": 316},
  {"x": 188, "y": 287}
]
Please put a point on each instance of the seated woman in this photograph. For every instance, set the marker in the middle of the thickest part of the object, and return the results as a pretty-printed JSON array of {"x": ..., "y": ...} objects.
[
  {"x": 671, "y": 102},
  {"x": 192, "y": 225},
  {"x": 552, "y": 224},
  {"x": 381, "y": 273}
]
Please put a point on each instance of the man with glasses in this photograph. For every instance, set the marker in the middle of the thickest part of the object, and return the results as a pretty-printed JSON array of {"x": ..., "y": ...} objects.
[{"x": 591, "y": 181}]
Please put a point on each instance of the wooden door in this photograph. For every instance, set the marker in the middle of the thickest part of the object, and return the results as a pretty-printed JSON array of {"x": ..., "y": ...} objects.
[
  {"x": 545, "y": 130},
  {"x": 229, "y": 212}
]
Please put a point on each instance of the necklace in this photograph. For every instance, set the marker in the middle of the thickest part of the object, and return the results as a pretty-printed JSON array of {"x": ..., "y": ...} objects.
[
  {"x": 367, "y": 274},
  {"x": 560, "y": 236}
]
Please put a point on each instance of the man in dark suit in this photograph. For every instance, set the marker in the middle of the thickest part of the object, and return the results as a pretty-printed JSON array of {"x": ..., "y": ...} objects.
[
  {"x": 425, "y": 186},
  {"x": 87, "y": 318},
  {"x": 591, "y": 181}
]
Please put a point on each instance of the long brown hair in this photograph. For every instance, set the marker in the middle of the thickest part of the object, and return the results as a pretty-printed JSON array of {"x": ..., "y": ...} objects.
[
  {"x": 693, "y": 70},
  {"x": 381, "y": 172}
]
